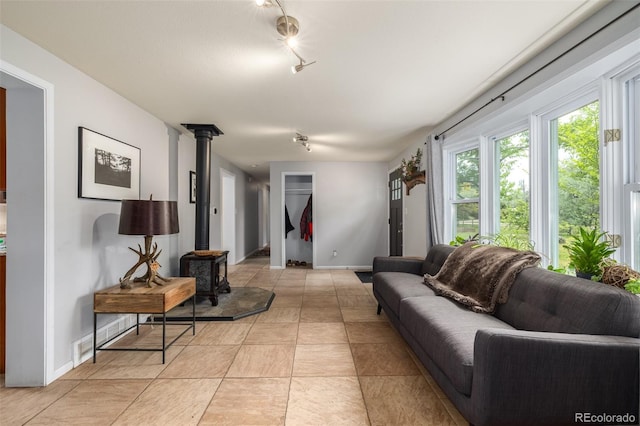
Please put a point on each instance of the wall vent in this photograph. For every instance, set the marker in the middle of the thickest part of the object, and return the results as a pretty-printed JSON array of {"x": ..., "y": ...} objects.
[{"x": 83, "y": 348}]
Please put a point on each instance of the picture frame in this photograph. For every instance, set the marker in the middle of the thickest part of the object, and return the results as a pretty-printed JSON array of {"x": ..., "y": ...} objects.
[
  {"x": 108, "y": 169},
  {"x": 192, "y": 187}
]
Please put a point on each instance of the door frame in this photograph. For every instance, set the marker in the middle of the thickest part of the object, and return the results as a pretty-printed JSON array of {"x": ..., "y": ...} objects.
[
  {"x": 46, "y": 287},
  {"x": 226, "y": 212},
  {"x": 283, "y": 260}
]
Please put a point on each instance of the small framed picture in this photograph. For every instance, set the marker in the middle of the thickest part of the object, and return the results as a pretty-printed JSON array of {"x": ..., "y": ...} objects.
[
  {"x": 108, "y": 169},
  {"x": 192, "y": 187}
]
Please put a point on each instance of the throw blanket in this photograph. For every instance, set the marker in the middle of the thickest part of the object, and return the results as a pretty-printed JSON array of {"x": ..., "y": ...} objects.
[{"x": 480, "y": 276}]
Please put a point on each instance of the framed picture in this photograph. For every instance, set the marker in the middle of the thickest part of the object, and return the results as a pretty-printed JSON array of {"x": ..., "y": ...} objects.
[
  {"x": 108, "y": 169},
  {"x": 192, "y": 187}
]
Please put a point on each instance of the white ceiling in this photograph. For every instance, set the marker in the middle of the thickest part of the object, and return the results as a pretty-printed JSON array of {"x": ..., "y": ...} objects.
[{"x": 386, "y": 70}]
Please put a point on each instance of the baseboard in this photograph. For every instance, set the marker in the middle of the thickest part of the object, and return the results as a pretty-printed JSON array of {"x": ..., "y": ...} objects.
[{"x": 347, "y": 267}]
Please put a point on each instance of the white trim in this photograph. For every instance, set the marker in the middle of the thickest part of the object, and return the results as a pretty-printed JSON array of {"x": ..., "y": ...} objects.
[
  {"x": 347, "y": 267},
  {"x": 628, "y": 243},
  {"x": 49, "y": 213},
  {"x": 225, "y": 174}
]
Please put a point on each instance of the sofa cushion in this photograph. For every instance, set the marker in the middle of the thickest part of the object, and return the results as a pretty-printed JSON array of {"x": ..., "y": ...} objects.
[
  {"x": 395, "y": 286},
  {"x": 542, "y": 300},
  {"x": 436, "y": 258},
  {"x": 446, "y": 331}
]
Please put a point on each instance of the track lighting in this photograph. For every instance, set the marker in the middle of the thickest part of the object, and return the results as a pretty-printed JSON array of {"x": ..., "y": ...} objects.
[
  {"x": 297, "y": 68},
  {"x": 302, "y": 140},
  {"x": 288, "y": 27}
]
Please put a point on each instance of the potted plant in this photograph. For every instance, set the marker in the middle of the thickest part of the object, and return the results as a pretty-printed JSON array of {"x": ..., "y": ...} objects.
[
  {"x": 411, "y": 173},
  {"x": 587, "y": 251},
  {"x": 410, "y": 168}
]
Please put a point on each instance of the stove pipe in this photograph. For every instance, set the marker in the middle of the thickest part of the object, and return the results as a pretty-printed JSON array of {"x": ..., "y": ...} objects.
[{"x": 203, "y": 133}]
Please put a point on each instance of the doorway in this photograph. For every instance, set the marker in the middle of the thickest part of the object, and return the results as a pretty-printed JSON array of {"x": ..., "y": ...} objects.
[
  {"x": 228, "y": 214},
  {"x": 299, "y": 236},
  {"x": 395, "y": 213}
]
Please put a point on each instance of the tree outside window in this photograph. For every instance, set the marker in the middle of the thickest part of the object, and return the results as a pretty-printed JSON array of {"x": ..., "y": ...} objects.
[
  {"x": 512, "y": 154},
  {"x": 578, "y": 173},
  {"x": 466, "y": 203}
]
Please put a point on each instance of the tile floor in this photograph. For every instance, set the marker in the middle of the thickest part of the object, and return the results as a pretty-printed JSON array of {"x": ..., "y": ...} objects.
[{"x": 319, "y": 356}]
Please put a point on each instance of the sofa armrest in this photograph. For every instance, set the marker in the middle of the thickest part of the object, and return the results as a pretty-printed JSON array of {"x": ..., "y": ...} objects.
[
  {"x": 523, "y": 377},
  {"x": 397, "y": 264}
]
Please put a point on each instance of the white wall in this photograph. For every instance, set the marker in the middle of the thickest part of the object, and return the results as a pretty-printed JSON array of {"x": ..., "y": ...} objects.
[
  {"x": 86, "y": 253},
  {"x": 350, "y": 212},
  {"x": 414, "y": 205}
]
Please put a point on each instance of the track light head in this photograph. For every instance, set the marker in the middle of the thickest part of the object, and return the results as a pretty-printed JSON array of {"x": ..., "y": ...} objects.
[
  {"x": 300, "y": 138},
  {"x": 297, "y": 68}
]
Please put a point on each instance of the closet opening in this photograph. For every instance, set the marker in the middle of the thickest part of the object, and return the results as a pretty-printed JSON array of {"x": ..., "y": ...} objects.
[{"x": 299, "y": 230}]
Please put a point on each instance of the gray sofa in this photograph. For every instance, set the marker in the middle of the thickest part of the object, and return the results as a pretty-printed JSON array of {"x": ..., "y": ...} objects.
[{"x": 561, "y": 350}]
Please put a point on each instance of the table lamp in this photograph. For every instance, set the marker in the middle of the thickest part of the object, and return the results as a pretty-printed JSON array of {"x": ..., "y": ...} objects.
[{"x": 148, "y": 218}]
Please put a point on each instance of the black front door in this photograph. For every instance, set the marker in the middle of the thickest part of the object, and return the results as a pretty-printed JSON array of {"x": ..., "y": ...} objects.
[{"x": 395, "y": 213}]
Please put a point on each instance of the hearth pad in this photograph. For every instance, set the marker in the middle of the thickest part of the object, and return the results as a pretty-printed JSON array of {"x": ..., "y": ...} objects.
[{"x": 240, "y": 303}]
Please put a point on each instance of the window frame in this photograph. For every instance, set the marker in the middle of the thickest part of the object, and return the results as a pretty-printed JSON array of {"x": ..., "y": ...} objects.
[
  {"x": 450, "y": 182},
  {"x": 548, "y": 208}
]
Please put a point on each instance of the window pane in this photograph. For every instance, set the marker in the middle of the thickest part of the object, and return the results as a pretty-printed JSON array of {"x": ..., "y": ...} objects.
[
  {"x": 513, "y": 182},
  {"x": 468, "y": 174},
  {"x": 576, "y": 146},
  {"x": 635, "y": 229},
  {"x": 466, "y": 220}
]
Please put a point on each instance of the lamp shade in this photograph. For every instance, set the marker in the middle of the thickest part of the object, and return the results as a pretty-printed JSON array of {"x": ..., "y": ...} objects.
[{"x": 148, "y": 217}]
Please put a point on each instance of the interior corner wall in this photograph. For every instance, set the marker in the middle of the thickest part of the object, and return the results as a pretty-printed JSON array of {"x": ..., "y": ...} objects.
[
  {"x": 88, "y": 252},
  {"x": 350, "y": 212},
  {"x": 186, "y": 209},
  {"x": 414, "y": 205}
]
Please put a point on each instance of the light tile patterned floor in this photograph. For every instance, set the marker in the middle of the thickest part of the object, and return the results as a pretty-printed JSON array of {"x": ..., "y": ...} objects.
[{"x": 319, "y": 356}]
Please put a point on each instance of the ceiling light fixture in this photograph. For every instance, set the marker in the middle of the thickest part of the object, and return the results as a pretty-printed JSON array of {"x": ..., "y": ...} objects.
[
  {"x": 297, "y": 68},
  {"x": 302, "y": 140},
  {"x": 288, "y": 27}
]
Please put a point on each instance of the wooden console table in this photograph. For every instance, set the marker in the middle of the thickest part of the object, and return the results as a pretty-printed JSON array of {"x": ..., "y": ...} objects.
[{"x": 141, "y": 299}]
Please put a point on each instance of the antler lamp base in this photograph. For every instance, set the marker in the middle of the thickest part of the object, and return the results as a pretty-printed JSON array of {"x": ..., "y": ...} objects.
[{"x": 148, "y": 257}]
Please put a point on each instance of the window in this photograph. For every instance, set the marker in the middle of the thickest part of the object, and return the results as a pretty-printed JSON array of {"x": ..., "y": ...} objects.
[
  {"x": 467, "y": 194},
  {"x": 540, "y": 166},
  {"x": 574, "y": 176},
  {"x": 512, "y": 194},
  {"x": 631, "y": 133}
]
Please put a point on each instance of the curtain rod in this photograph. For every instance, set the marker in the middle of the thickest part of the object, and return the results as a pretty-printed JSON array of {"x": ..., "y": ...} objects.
[{"x": 501, "y": 96}]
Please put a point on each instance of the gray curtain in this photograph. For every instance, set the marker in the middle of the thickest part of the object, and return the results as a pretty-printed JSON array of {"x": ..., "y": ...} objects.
[{"x": 435, "y": 191}]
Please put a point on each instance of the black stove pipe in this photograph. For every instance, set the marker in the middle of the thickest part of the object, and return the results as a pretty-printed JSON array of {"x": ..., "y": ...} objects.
[{"x": 203, "y": 134}]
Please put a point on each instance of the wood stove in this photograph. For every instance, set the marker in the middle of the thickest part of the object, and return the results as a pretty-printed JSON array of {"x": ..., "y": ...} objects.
[{"x": 202, "y": 263}]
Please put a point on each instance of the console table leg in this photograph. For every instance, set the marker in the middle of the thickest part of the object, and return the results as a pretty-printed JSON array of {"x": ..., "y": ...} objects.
[
  {"x": 94, "y": 337},
  {"x": 164, "y": 332},
  {"x": 193, "y": 321}
]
